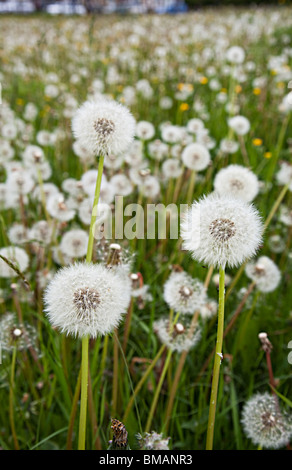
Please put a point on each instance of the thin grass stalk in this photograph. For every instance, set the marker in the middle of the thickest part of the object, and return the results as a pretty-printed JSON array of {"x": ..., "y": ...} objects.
[
  {"x": 73, "y": 412},
  {"x": 141, "y": 382},
  {"x": 217, "y": 361},
  {"x": 177, "y": 376},
  {"x": 157, "y": 391},
  {"x": 115, "y": 374},
  {"x": 172, "y": 322}
]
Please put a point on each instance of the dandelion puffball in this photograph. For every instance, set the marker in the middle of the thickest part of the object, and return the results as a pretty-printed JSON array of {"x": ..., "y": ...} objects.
[
  {"x": 264, "y": 423},
  {"x": 15, "y": 255},
  {"x": 196, "y": 156},
  {"x": 240, "y": 124},
  {"x": 237, "y": 181},
  {"x": 221, "y": 230},
  {"x": 103, "y": 127},
  {"x": 86, "y": 299},
  {"x": 265, "y": 273},
  {"x": 183, "y": 293}
]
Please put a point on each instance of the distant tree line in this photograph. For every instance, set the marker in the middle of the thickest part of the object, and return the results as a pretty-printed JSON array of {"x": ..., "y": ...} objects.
[{"x": 241, "y": 3}]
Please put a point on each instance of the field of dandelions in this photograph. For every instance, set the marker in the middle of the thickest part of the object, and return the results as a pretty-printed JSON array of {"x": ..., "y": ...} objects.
[{"x": 207, "y": 97}]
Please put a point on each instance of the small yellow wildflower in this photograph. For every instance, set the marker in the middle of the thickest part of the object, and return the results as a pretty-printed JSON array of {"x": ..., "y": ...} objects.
[
  {"x": 184, "y": 107},
  {"x": 257, "y": 91},
  {"x": 203, "y": 80},
  {"x": 238, "y": 89},
  {"x": 268, "y": 154},
  {"x": 257, "y": 142}
]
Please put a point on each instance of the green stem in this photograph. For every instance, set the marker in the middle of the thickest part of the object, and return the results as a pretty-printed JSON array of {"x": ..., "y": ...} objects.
[
  {"x": 141, "y": 382},
  {"x": 73, "y": 412},
  {"x": 11, "y": 399},
  {"x": 191, "y": 187},
  {"x": 217, "y": 361},
  {"x": 157, "y": 391},
  {"x": 94, "y": 210},
  {"x": 276, "y": 205},
  {"x": 84, "y": 393},
  {"x": 85, "y": 339}
]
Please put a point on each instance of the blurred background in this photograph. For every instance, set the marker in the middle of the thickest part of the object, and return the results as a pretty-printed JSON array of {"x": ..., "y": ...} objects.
[{"x": 83, "y": 7}]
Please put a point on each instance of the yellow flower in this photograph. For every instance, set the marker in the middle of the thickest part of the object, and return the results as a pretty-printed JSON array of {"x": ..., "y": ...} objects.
[
  {"x": 19, "y": 101},
  {"x": 184, "y": 107},
  {"x": 238, "y": 88},
  {"x": 203, "y": 80},
  {"x": 257, "y": 142},
  {"x": 223, "y": 90},
  {"x": 268, "y": 154},
  {"x": 257, "y": 91}
]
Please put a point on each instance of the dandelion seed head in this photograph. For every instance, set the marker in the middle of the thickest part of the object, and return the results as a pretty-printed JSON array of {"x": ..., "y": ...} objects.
[
  {"x": 265, "y": 273},
  {"x": 183, "y": 293},
  {"x": 180, "y": 336},
  {"x": 86, "y": 299},
  {"x": 238, "y": 181},
  {"x": 221, "y": 230},
  {"x": 103, "y": 127},
  {"x": 196, "y": 156},
  {"x": 264, "y": 423}
]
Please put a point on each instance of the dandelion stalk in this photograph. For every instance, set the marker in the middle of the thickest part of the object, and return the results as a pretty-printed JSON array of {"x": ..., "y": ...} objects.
[
  {"x": 217, "y": 361},
  {"x": 84, "y": 393},
  {"x": 11, "y": 399},
  {"x": 94, "y": 210},
  {"x": 85, "y": 339}
]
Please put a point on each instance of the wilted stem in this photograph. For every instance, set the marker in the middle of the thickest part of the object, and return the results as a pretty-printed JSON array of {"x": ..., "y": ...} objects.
[{"x": 217, "y": 361}]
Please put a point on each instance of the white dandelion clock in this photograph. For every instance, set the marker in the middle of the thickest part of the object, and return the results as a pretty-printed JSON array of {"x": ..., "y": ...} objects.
[
  {"x": 264, "y": 423},
  {"x": 196, "y": 156},
  {"x": 17, "y": 257},
  {"x": 235, "y": 55},
  {"x": 103, "y": 127},
  {"x": 183, "y": 293},
  {"x": 74, "y": 243},
  {"x": 265, "y": 273},
  {"x": 221, "y": 231},
  {"x": 284, "y": 175},
  {"x": 237, "y": 181},
  {"x": 240, "y": 124},
  {"x": 86, "y": 299},
  {"x": 182, "y": 336}
]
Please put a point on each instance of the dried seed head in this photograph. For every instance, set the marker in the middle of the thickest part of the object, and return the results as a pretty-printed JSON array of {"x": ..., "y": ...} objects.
[
  {"x": 86, "y": 300},
  {"x": 104, "y": 128},
  {"x": 222, "y": 229}
]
